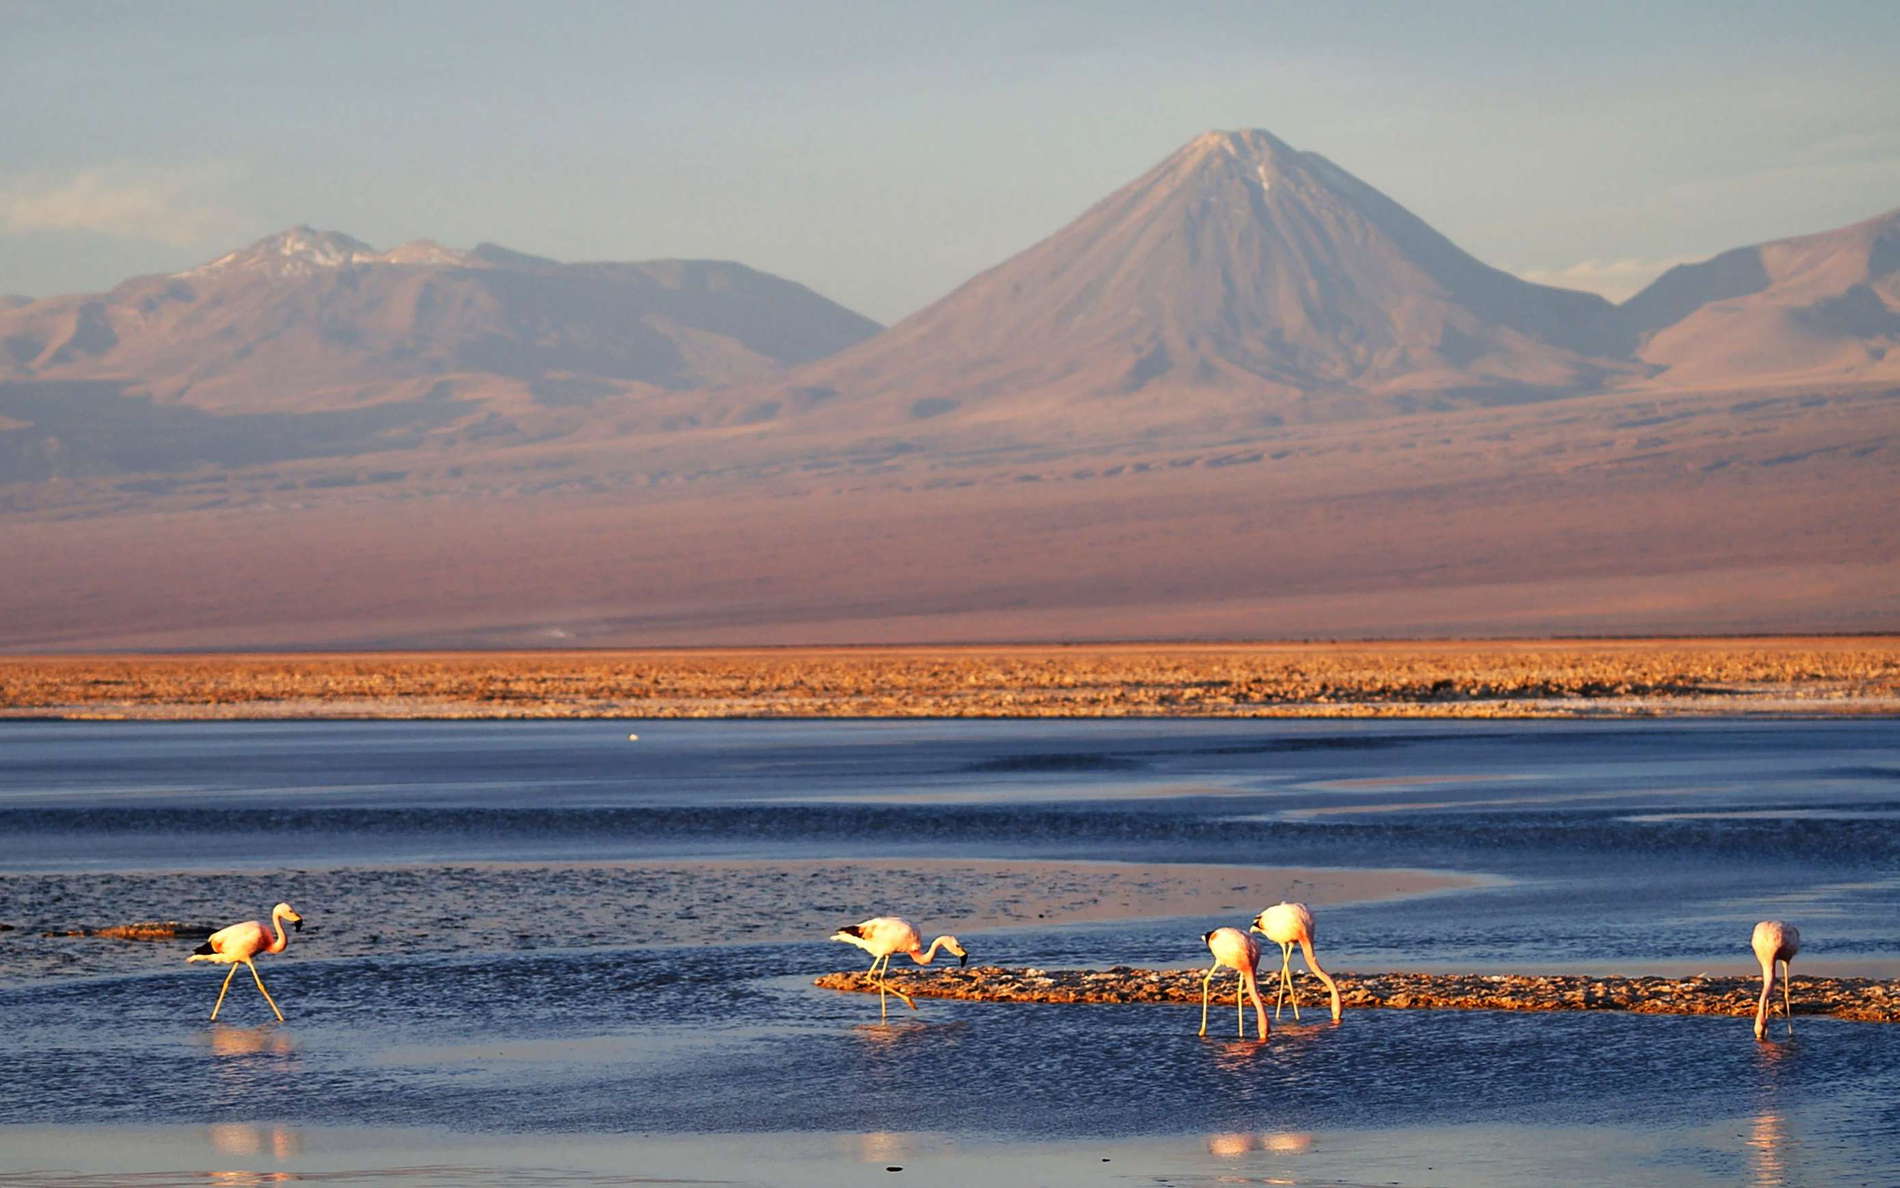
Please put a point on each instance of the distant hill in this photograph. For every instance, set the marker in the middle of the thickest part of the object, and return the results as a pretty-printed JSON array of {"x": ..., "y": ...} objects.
[
  {"x": 379, "y": 347},
  {"x": 1823, "y": 307}
]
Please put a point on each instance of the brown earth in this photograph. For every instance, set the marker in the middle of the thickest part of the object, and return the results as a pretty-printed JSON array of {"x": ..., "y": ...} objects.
[
  {"x": 1865, "y": 999},
  {"x": 1783, "y": 676},
  {"x": 1710, "y": 513}
]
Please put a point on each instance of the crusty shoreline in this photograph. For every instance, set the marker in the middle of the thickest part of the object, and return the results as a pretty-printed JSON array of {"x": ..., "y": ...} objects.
[
  {"x": 1868, "y": 1000},
  {"x": 1770, "y": 676}
]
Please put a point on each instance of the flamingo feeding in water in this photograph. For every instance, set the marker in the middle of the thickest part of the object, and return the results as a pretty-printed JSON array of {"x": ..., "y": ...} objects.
[
  {"x": 1239, "y": 952},
  {"x": 1285, "y": 924},
  {"x": 1774, "y": 941},
  {"x": 884, "y": 937},
  {"x": 241, "y": 942}
]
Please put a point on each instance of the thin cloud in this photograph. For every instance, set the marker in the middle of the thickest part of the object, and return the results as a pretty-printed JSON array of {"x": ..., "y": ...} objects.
[
  {"x": 1614, "y": 279},
  {"x": 178, "y": 205}
]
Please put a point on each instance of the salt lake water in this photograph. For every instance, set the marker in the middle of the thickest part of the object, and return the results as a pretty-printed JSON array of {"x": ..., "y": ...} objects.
[{"x": 473, "y": 1000}]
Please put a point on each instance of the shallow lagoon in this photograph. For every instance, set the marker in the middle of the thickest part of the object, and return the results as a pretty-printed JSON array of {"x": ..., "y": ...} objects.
[{"x": 1628, "y": 848}]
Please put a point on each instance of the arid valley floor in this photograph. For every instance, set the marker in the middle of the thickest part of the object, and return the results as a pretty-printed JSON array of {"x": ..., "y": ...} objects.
[{"x": 1561, "y": 678}]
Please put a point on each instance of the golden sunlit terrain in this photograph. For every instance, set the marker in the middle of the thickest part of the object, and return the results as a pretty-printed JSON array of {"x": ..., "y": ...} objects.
[{"x": 1574, "y": 678}]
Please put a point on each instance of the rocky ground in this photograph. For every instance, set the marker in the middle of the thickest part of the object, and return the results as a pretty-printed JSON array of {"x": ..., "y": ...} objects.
[{"x": 1866, "y": 999}]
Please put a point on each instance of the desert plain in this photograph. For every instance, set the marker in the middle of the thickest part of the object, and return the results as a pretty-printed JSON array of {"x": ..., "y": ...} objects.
[{"x": 1801, "y": 676}]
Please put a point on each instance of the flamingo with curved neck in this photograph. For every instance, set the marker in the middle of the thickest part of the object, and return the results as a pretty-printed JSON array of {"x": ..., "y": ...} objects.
[
  {"x": 1241, "y": 953},
  {"x": 883, "y": 937},
  {"x": 239, "y": 943},
  {"x": 1287, "y": 924},
  {"x": 1774, "y": 941}
]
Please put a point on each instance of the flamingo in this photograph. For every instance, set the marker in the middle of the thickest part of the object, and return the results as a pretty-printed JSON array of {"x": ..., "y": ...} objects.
[
  {"x": 885, "y": 936},
  {"x": 241, "y": 942},
  {"x": 1774, "y": 941},
  {"x": 1284, "y": 924},
  {"x": 1241, "y": 953}
]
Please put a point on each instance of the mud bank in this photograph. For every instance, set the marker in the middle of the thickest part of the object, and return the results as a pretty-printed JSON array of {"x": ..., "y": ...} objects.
[{"x": 1865, "y": 999}]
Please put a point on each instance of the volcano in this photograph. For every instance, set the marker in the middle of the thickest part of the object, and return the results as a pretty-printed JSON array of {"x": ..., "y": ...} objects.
[{"x": 1238, "y": 280}]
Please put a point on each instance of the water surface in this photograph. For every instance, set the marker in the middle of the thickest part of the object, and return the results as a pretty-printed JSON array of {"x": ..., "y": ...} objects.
[{"x": 1618, "y": 847}]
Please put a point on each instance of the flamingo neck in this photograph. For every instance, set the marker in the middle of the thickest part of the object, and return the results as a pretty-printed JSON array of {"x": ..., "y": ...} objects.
[
  {"x": 929, "y": 954},
  {"x": 1312, "y": 963},
  {"x": 281, "y": 941}
]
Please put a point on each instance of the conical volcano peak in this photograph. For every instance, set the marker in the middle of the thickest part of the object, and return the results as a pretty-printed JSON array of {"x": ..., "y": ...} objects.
[
  {"x": 1239, "y": 276},
  {"x": 1252, "y": 157},
  {"x": 1248, "y": 152},
  {"x": 1248, "y": 144}
]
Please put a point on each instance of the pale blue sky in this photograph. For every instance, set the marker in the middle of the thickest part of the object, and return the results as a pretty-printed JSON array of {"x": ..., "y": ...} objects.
[{"x": 882, "y": 153}]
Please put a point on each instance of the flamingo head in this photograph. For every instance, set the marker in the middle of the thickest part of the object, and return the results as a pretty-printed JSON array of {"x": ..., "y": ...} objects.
[
  {"x": 951, "y": 944},
  {"x": 288, "y": 913}
]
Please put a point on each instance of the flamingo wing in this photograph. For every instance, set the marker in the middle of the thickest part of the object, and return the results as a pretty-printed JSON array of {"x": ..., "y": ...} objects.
[{"x": 239, "y": 940}]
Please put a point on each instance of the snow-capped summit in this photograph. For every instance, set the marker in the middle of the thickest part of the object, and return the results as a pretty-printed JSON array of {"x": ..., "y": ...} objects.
[
  {"x": 428, "y": 251},
  {"x": 298, "y": 251},
  {"x": 304, "y": 251}
]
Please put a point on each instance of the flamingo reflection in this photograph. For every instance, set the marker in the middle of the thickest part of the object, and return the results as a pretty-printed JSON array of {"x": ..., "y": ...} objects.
[
  {"x": 251, "y": 1041},
  {"x": 244, "y": 1138},
  {"x": 1232, "y": 1146},
  {"x": 1767, "y": 1142}
]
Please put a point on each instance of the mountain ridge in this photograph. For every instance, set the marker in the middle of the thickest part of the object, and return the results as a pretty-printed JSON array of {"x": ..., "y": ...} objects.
[
  {"x": 1263, "y": 402},
  {"x": 324, "y": 309}
]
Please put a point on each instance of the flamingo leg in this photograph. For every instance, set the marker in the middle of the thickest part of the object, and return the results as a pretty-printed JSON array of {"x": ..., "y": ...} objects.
[
  {"x": 1286, "y": 975},
  {"x": 884, "y": 987},
  {"x": 908, "y": 1000},
  {"x": 1787, "y": 1004},
  {"x": 1206, "y": 979},
  {"x": 1259, "y": 1008},
  {"x": 884, "y": 1009},
  {"x": 1767, "y": 992},
  {"x": 227, "y": 985},
  {"x": 260, "y": 989},
  {"x": 884, "y": 983},
  {"x": 1240, "y": 1017}
]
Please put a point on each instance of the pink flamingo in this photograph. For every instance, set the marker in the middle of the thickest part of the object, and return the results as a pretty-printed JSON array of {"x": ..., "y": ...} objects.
[
  {"x": 1285, "y": 924},
  {"x": 885, "y": 936},
  {"x": 241, "y": 942},
  {"x": 1774, "y": 941},
  {"x": 1237, "y": 951}
]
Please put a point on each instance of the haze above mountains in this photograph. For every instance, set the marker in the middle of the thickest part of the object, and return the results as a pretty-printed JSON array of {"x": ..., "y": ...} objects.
[{"x": 1246, "y": 348}]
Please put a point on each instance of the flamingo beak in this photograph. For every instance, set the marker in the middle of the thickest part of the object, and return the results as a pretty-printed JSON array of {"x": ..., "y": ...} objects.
[
  {"x": 962, "y": 960},
  {"x": 297, "y": 924}
]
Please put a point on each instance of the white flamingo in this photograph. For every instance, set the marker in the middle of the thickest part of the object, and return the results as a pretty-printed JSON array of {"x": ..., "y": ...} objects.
[
  {"x": 1286, "y": 924},
  {"x": 884, "y": 937},
  {"x": 1774, "y": 941},
  {"x": 1237, "y": 951},
  {"x": 240, "y": 942}
]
